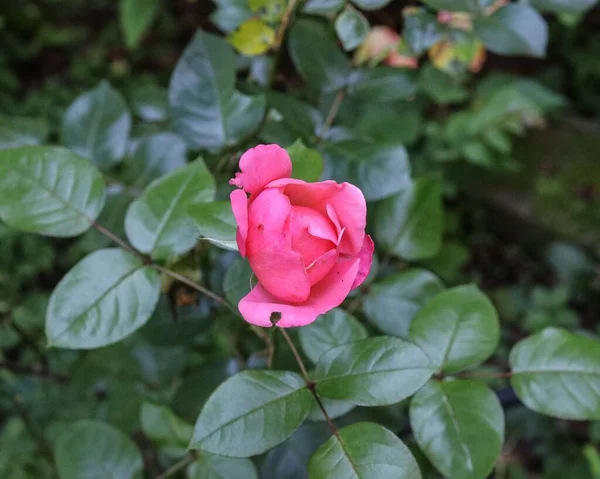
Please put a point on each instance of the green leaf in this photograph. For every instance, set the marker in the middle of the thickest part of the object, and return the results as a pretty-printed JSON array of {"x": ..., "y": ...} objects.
[
  {"x": 409, "y": 224},
  {"x": 372, "y": 372},
  {"x": 352, "y": 28},
  {"x": 96, "y": 126},
  {"x": 458, "y": 329},
  {"x": 334, "y": 409},
  {"x": 455, "y": 5},
  {"x": 230, "y": 13},
  {"x": 104, "y": 298},
  {"x": 330, "y": 330},
  {"x": 93, "y": 450},
  {"x": 154, "y": 156},
  {"x": 158, "y": 222},
  {"x": 150, "y": 103},
  {"x": 21, "y": 131},
  {"x": 236, "y": 283},
  {"x": 371, "y": 4},
  {"x": 323, "y": 7},
  {"x": 516, "y": 29},
  {"x": 253, "y": 37},
  {"x": 207, "y": 111},
  {"x": 459, "y": 425},
  {"x": 301, "y": 119},
  {"x": 381, "y": 84},
  {"x": 171, "y": 433},
  {"x": 378, "y": 170},
  {"x": 270, "y": 11},
  {"x": 49, "y": 190},
  {"x": 216, "y": 223},
  {"x": 209, "y": 466},
  {"x": 558, "y": 373},
  {"x": 421, "y": 30},
  {"x": 363, "y": 450},
  {"x": 391, "y": 304},
  {"x": 307, "y": 164},
  {"x": 272, "y": 402},
  {"x": 564, "y": 6},
  {"x": 316, "y": 56},
  {"x": 136, "y": 16}
]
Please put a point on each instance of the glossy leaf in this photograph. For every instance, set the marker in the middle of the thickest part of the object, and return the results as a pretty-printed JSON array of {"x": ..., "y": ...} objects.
[
  {"x": 136, "y": 16},
  {"x": 273, "y": 402},
  {"x": 215, "y": 223},
  {"x": 352, "y": 28},
  {"x": 158, "y": 222},
  {"x": 381, "y": 84},
  {"x": 558, "y": 373},
  {"x": 391, "y": 304},
  {"x": 210, "y": 466},
  {"x": 409, "y": 224},
  {"x": 421, "y": 30},
  {"x": 316, "y": 56},
  {"x": 49, "y": 190},
  {"x": 363, "y": 450},
  {"x": 238, "y": 281},
  {"x": 378, "y": 170},
  {"x": 516, "y": 29},
  {"x": 21, "y": 131},
  {"x": 104, "y": 298},
  {"x": 301, "y": 119},
  {"x": 307, "y": 164},
  {"x": 207, "y": 111},
  {"x": 323, "y": 7},
  {"x": 334, "y": 409},
  {"x": 458, "y": 329},
  {"x": 171, "y": 433},
  {"x": 372, "y": 372},
  {"x": 92, "y": 449},
  {"x": 459, "y": 425},
  {"x": 230, "y": 13},
  {"x": 564, "y": 6},
  {"x": 330, "y": 330},
  {"x": 371, "y": 4},
  {"x": 96, "y": 126},
  {"x": 150, "y": 103}
]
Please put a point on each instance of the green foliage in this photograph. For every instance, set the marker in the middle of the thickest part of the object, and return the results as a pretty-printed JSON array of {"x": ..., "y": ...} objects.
[
  {"x": 352, "y": 28},
  {"x": 136, "y": 16}
]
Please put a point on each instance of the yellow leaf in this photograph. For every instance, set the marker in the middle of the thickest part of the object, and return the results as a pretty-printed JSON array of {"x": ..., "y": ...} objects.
[{"x": 253, "y": 37}]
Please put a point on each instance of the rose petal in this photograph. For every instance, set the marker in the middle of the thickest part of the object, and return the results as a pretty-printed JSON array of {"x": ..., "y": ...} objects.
[
  {"x": 321, "y": 266},
  {"x": 258, "y": 306},
  {"x": 304, "y": 242},
  {"x": 366, "y": 260},
  {"x": 261, "y": 165},
  {"x": 239, "y": 206}
]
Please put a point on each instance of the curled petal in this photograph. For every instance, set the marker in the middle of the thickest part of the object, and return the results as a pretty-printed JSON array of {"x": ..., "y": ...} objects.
[
  {"x": 239, "y": 205},
  {"x": 261, "y": 165},
  {"x": 365, "y": 257}
]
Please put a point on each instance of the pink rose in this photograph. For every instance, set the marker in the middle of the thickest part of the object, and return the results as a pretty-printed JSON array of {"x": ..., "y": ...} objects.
[{"x": 305, "y": 242}]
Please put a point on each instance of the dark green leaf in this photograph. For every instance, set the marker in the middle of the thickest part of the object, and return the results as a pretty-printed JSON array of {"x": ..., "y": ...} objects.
[
  {"x": 455, "y": 5},
  {"x": 352, "y": 28},
  {"x": 460, "y": 427},
  {"x": 237, "y": 281},
  {"x": 409, "y": 224},
  {"x": 307, "y": 164},
  {"x": 421, "y": 30},
  {"x": 150, "y": 103},
  {"x": 272, "y": 402},
  {"x": 158, "y": 222},
  {"x": 516, "y": 29},
  {"x": 230, "y": 13},
  {"x": 215, "y": 223},
  {"x": 317, "y": 57},
  {"x": 363, "y": 451},
  {"x": 373, "y": 371},
  {"x": 334, "y": 409},
  {"x": 323, "y": 7},
  {"x": 171, "y": 433},
  {"x": 207, "y": 111},
  {"x": 49, "y": 190},
  {"x": 441, "y": 87},
  {"x": 371, "y": 4},
  {"x": 96, "y": 126},
  {"x": 378, "y": 170},
  {"x": 301, "y": 119},
  {"x": 330, "y": 330},
  {"x": 96, "y": 450},
  {"x": 136, "y": 16},
  {"x": 209, "y": 466},
  {"x": 558, "y": 373},
  {"x": 458, "y": 329},
  {"x": 392, "y": 303},
  {"x": 18, "y": 131},
  {"x": 382, "y": 84},
  {"x": 104, "y": 298},
  {"x": 564, "y": 6}
]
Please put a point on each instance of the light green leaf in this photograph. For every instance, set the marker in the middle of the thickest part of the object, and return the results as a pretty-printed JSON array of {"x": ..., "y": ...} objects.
[
  {"x": 371, "y": 4},
  {"x": 558, "y": 373},
  {"x": 158, "y": 222},
  {"x": 104, "y": 298},
  {"x": 272, "y": 402},
  {"x": 323, "y": 7},
  {"x": 330, "y": 330},
  {"x": 209, "y": 466},
  {"x": 421, "y": 30},
  {"x": 96, "y": 126},
  {"x": 378, "y": 170},
  {"x": 316, "y": 56},
  {"x": 409, "y": 224},
  {"x": 352, "y": 28},
  {"x": 136, "y": 16},
  {"x": 459, "y": 425},
  {"x": 458, "y": 329},
  {"x": 207, "y": 111},
  {"x": 363, "y": 450},
  {"x": 392, "y": 303},
  {"x": 573, "y": 7},
  {"x": 372, "y": 372},
  {"x": 49, "y": 190},
  {"x": 236, "y": 283},
  {"x": 18, "y": 131},
  {"x": 216, "y": 223},
  {"x": 171, "y": 433},
  {"x": 307, "y": 164},
  {"x": 95, "y": 450},
  {"x": 253, "y": 37},
  {"x": 381, "y": 84},
  {"x": 516, "y": 29}
]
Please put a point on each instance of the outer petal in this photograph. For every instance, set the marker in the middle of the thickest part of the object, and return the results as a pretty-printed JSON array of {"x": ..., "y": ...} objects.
[
  {"x": 261, "y": 165},
  {"x": 321, "y": 266},
  {"x": 366, "y": 260},
  {"x": 259, "y": 304},
  {"x": 239, "y": 205}
]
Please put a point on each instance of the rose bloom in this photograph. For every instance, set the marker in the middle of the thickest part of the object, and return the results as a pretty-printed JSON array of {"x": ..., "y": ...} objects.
[{"x": 305, "y": 242}]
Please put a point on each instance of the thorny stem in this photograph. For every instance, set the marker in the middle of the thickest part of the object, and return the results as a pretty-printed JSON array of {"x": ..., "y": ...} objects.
[{"x": 187, "y": 460}]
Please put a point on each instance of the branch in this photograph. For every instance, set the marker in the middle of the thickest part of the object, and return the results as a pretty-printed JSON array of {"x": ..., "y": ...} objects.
[
  {"x": 285, "y": 21},
  {"x": 186, "y": 461},
  {"x": 333, "y": 111}
]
